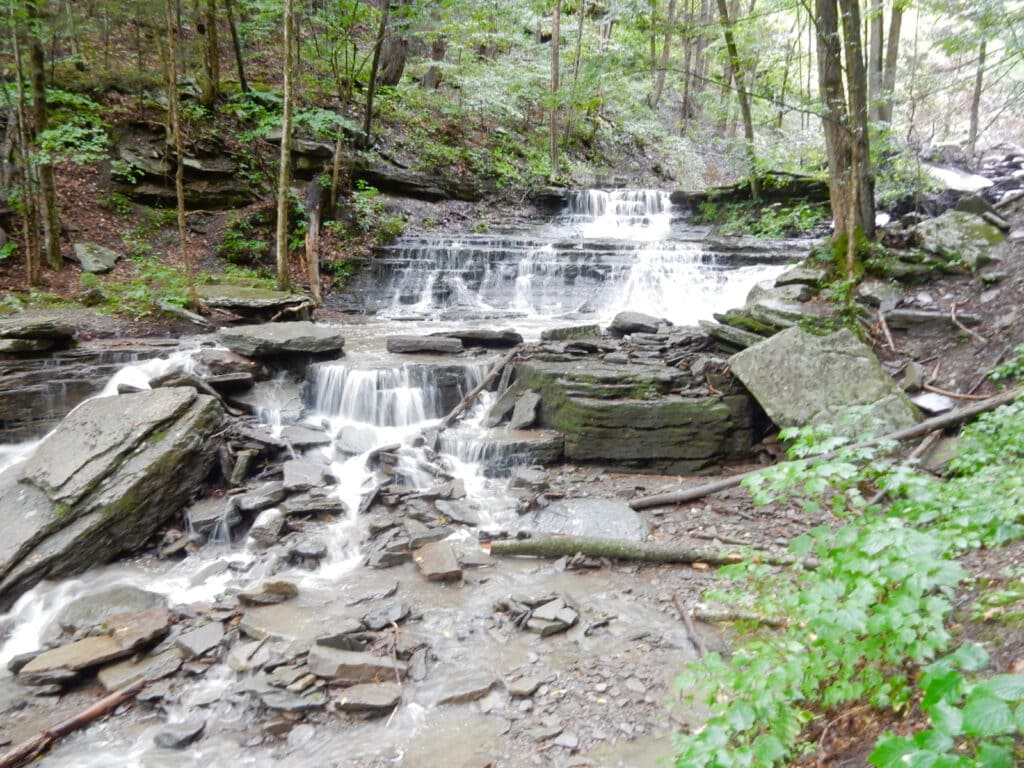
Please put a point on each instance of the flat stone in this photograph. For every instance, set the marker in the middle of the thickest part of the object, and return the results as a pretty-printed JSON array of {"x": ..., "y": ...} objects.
[
  {"x": 474, "y": 337},
  {"x": 523, "y": 686},
  {"x": 301, "y": 475},
  {"x": 799, "y": 378},
  {"x": 25, "y": 346},
  {"x": 270, "y": 339},
  {"x": 92, "y": 610},
  {"x": 179, "y": 735},
  {"x": 76, "y": 656},
  {"x": 198, "y": 642},
  {"x": 605, "y": 518},
  {"x": 524, "y": 415},
  {"x": 261, "y": 497},
  {"x": 247, "y": 657},
  {"x": 959, "y": 237},
  {"x": 22, "y": 327},
  {"x": 571, "y": 333},
  {"x": 462, "y": 687},
  {"x": 803, "y": 275},
  {"x": 138, "y": 630},
  {"x": 369, "y": 697},
  {"x": 339, "y": 636},
  {"x": 633, "y": 322},
  {"x": 269, "y": 593},
  {"x": 214, "y": 514},
  {"x": 731, "y": 336},
  {"x": 299, "y": 436},
  {"x": 386, "y": 616},
  {"x": 437, "y": 562},
  {"x": 933, "y": 403},
  {"x": 124, "y": 673},
  {"x": 267, "y": 528},
  {"x": 443, "y": 345},
  {"x": 315, "y": 501},
  {"x": 353, "y": 666},
  {"x": 95, "y": 258},
  {"x": 287, "y": 701}
]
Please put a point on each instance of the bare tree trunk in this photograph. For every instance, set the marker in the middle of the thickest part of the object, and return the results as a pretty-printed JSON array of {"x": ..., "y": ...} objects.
[
  {"x": 876, "y": 24},
  {"x": 211, "y": 55},
  {"x": 578, "y": 55},
  {"x": 556, "y": 18},
  {"x": 891, "y": 60},
  {"x": 857, "y": 89},
  {"x": 284, "y": 168},
  {"x": 666, "y": 52},
  {"x": 744, "y": 99},
  {"x": 30, "y": 210},
  {"x": 394, "y": 50},
  {"x": 979, "y": 77},
  {"x": 179, "y": 151},
  {"x": 236, "y": 45},
  {"x": 47, "y": 185},
  {"x": 314, "y": 205},
  {"x": 371, "y": 87}
]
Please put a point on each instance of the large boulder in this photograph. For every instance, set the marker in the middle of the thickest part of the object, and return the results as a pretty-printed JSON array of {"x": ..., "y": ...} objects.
[
  {"x": 800, "y": 378},
  {"x": 274, "y": 339},
  {"x": 959, "y": 237},
  {"x": 101, "y": 484},
  {"x": 95, "y": 258}
]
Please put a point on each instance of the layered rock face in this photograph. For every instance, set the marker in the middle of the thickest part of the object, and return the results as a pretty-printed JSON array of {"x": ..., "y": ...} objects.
[{"x": 113, "y": 472}]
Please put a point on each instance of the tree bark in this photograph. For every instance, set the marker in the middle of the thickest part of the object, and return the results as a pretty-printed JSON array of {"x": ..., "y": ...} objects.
[
  {"x": 744, "y": 98},
  {"x": 543, "y": 545},
  {"x": 174, "y": 113},
  {"x": 49, "y": 215},
  {"x": 371, "y": 87},
  {"x": 211, "y": 56},
  {"x": 876, "y": 24},
  {"x": 979, "y": 80},
  {"x": 556, "y": 17},
  {"x": 314, "y": 204},
  {"x": 666, "y": 53},
  {"x": 891, "y": 60},
  {"x": 475, "y": 392},
  {"x": 951, "y": 419},
  {"x": 30, "y": 209},
  {"x": 236, "y": 46},
  {"x": 284, "y": 167}
]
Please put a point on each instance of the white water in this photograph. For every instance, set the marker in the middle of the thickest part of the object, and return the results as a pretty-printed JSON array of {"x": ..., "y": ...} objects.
[{"x": 379, "y": 404}]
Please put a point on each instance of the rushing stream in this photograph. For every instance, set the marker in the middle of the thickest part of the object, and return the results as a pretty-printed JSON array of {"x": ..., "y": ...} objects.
[{"x": 610, "y": 251}]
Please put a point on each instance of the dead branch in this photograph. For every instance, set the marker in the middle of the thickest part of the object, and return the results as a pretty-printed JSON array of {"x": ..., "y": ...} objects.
[
  {"x": 973, "y": 334},
  {"x": 720, "y": 615},
  {"x": 32, "y": 748},
  {"x": 953, "y": 418},
  {"x": 885, "y": 329},
  {"x": 542, "y": 545},
  {"x": 465, "y": 402},
  {"x": 298, "y": 308},
  {"x": 956, "y": 395}
]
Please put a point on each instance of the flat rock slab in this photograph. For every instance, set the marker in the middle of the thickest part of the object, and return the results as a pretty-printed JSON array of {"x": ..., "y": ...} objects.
[
  {"x": 634, "y": 322},
  {"x": 442, "y": 345},
  {"x": 301, "y": 475},
  {"x": 272, "y": 339},
  {"x": 799, "y": 378},
  {"x": 93, "y": 609},
  {"x": 243, "y": 297},
  {"x": 353, "y": 666},
  {"x": 199, "y": 642},
  {"x": 370, "y": 697},
  {"x": 571, "y": 333},
  {"x": 36, "y": 328},
  {"x": 483, "y": 338},
  {"x": 95, "y": 258},
  {"x": 606, "y": 518},
  {"x": 116, "y": 676},
  {"x": 81, "y": 654},
  {"x": 959, "y": 237},
  {"x": 179, "y": 735},
  {"x": 437, "y": 562},
  {"x": 299, "y": 436},
  {"x": 524, "y": 414},
  {"x": 453, "y": 686}
]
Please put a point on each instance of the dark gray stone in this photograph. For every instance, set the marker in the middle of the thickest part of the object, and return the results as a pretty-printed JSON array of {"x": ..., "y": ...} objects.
[
  {"x": 484, "y": 338},
  {"x": 570, "y": 333},
  {"x": 605, "y": 518},
  {"x": 352, "y": 666},
  {"x": 437, "y": 562},
  {"x": 270, "y": 339},
  {"x": 201, "y": 641},
  {"x": 444, "y": 345},
  {"x": 95, "y": 258},
  {"x": 524, "y": 415},
  {"x": 634, "y": 322},
  {"x": 369, "y": 697},
  {"x": 267, "y": 528},
  {"x": 261, "y": 497},
  {"x": 179, "y": 735}
]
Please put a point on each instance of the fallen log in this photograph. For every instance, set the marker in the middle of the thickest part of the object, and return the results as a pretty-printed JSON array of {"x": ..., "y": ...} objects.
[
  {"x": 953, "y": 418},
  {"x": 474, "y": 393},
  {"x": 32, "y": 748},
  {"x": 540, "y": 545}
]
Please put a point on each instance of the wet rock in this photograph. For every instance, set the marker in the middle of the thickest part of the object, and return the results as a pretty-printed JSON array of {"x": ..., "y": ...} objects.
[
  {"x": 370, "y": 697},
  {"x": 443, "y": 345},
  {"x": 103, "y": 483},
  {"x": 260, "y": 498},
  {"x": 201, "y": 641},
  {"x": 353, "y": 667},
  {"x": 464, "y": 512},
  {"x": 959, "y": 237},
  {"x": 605, "y": 518},
  {"x": 383, "y": 618},
  {"x": 124, "y": 673},
  {"x": 552, "y": 617},
  {"x": 223, "y": 362},
  {"x": 803, "y": 275},
  {"x": 267, "y": 528},
  {"x": 529, "y": 478},
  {"x": 316, "y": 501},
  {"x": 800, "y": 378},
  {"x": 485, "y": 338},
  {"x": 421, "y": 534},
  {"x": 933, "y": 403},
  {"x": 138, "y": 630},
  {"x": 179, "y": 735},
  {"x": 502, "y": 407},
  {"x": 633, "y": 322},
  {"x": 388, "y": 559},
  {"x": 463, "y": 687},
  {"x": 340, "y": 636},
  {"x": 302, "y": 437},
  {"x": 791, "y": 293},
  {"x": 282, "y": 397},
  {"x": 302, "y": 474},
  {"x": 309, "y": 549},
  {"x": 503, "y": 449},
  {"x": 52, "y": 328},
  {"x": 92, "y": 610},
  {"x": 522, "y": 687},
  {"x": 572, "y": 332},
  {"x": 25, "y": 346},
  {"x": 437, "y": 562},
  {"x": 212, "y": 515},
  {"x": 74, "y": 657},
  {"x": 524, "y": 415},
  {"x": 249, "y": 656},
  {"x": 285, "y": 701},
  {"x": 879, "y": 293},
  {"x": 272, "y": 339},
  {"x": 730, "y": 336},
  {"x": 95, "y": 258},
  {"x": 269, "y": 593}
]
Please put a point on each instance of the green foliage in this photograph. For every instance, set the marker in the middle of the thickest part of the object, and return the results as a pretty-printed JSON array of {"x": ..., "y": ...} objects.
[
  {"x": 117, "y": 202},
  {"x": 867, "y": 624},
  {"x": 1010, "y": 371},
  {"x": 8, "y": 249},
  {"x": 340, "y": 272},
  {"x": 242, "y": 242},
  {"x": 768, "y": 221},
  {"x": 153, "y": 282},
  {"x": 77, "y": 131},
  {"x": 369, "y": 214}
]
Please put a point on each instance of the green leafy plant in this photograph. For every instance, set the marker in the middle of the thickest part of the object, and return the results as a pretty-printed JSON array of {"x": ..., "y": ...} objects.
[
  {"x": 8, "y": 249},
  {"x": 1011, "y": 370}
]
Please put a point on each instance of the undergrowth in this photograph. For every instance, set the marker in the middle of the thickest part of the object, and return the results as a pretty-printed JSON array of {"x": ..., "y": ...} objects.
[{"x": 866, "y": 618}]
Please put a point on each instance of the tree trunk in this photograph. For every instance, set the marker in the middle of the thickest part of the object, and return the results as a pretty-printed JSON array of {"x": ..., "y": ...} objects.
[
  {"x": 211, "y": 55},
  {"x": 394, "y": 50},
  {"x": 556, "y": 18},
  {"x": 578, "y": 55},
  {"x": 47, "y": 185},
  {"x": 314, "y": 205},
  {"x": 371, "y": 87},
  {"x": 744, "y": 99},
  {"x": 666, "y": 53},
  {"x": 876, "y": 24},
  {"x": 979, "y": 78},
  {"x": 179, "y": 151},
  {"x": 30, "y": 209},
  {"x": 857, "y": 88},
  {"x": 284, "y": 168},
  {"x": 236, "y": 45},
  {"x": 891, "y": 59}
]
